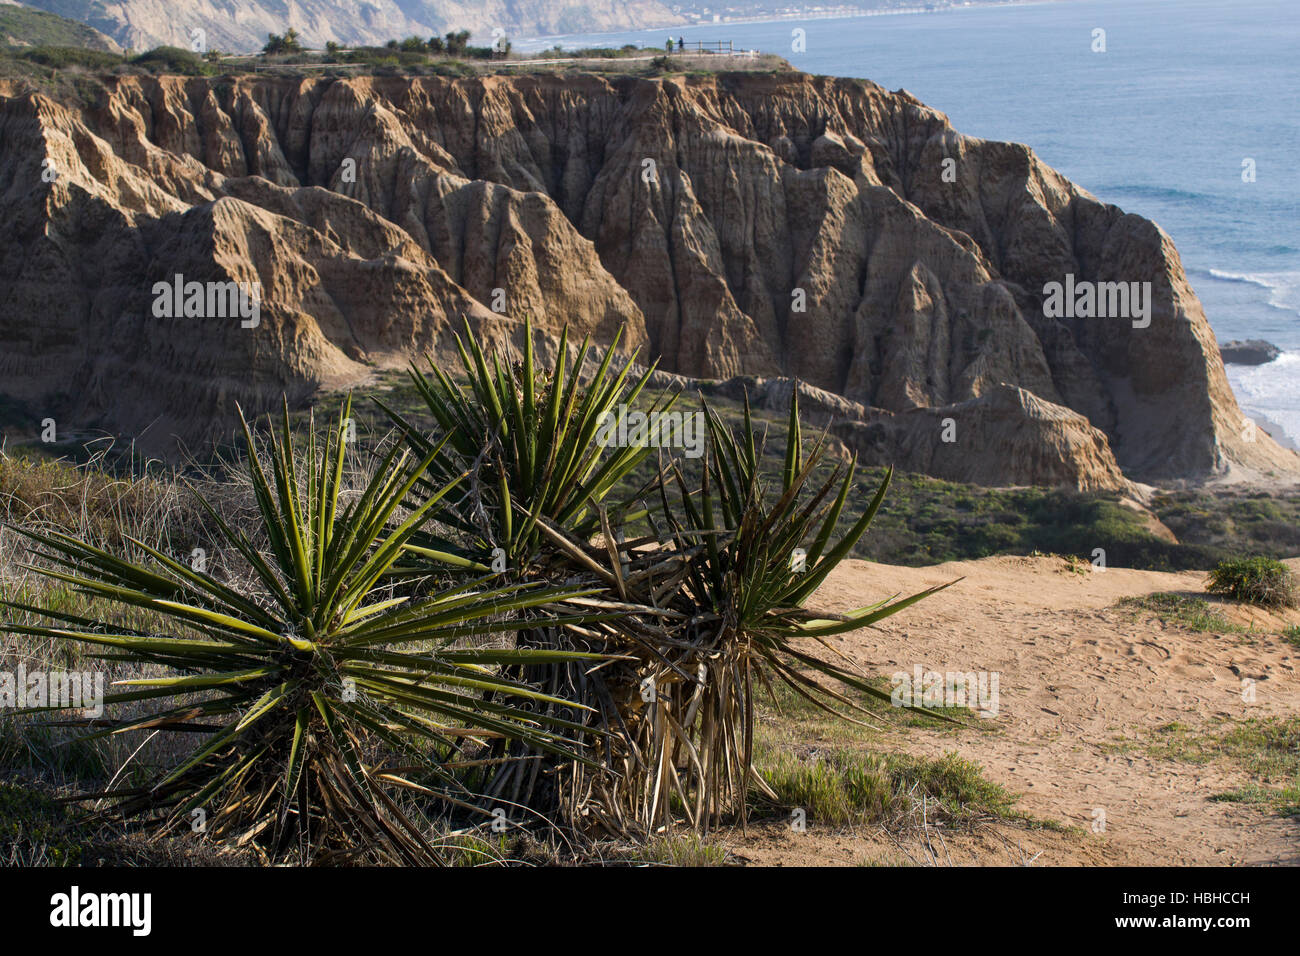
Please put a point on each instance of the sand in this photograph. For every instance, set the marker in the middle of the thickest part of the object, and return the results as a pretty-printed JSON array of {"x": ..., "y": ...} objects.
[{"x": 1077, "y": 680}]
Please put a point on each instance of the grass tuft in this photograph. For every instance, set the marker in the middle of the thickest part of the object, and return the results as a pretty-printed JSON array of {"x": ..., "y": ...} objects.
[
  {"x": 1181, "y": 610},
  {"x": 686, "y": 849},
  {"x": 1266, "y": 749},
  {"x": 848, "y": 788}
]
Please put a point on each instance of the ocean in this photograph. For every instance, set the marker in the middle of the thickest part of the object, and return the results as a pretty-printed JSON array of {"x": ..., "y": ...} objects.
[{"x": 1162, "y": 124}]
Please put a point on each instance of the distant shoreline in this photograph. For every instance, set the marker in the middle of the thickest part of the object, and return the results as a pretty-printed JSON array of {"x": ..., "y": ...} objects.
[{"x": 786, "y": 18}]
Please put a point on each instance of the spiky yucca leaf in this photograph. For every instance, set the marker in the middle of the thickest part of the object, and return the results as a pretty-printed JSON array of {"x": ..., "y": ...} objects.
[
  {"x": 776, "y": 547},
  {"x": 315, "y": 696},
  {"x": 531, "y": 444},
  {"x": 757, "y": 553}
]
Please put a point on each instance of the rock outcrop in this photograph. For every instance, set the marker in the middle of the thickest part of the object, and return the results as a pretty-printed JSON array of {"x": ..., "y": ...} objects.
[
  {"x": 1006, "y": 432},
  {"x": 780, "y": 226},
  {"x": 1248, "y": 352}
]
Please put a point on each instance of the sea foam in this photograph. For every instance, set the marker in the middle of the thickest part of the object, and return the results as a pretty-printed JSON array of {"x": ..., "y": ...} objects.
[
  {"x": 1283, "y": 287},
  {"x": 1271, "y": 391}
]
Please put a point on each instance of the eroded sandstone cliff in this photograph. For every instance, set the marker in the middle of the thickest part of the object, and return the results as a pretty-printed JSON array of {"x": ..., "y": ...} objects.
[
  {"x": 781, "y": 225},
  {"x": 241, "y": 26}
]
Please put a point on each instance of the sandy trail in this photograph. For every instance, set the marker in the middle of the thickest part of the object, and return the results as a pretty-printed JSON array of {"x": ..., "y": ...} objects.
[{"x": 1076, "y": 678}]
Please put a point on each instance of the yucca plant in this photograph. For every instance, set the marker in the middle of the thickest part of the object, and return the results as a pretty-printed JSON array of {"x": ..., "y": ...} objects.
[
  {"x": 708, "y": 604},
  {"x": 759, "y": 550},
  {"x": 527, "y": 441},
  {"x": 718, "y": 607},
  {"x": 538, "y": 480},
  {"x": 325, "y": 690}
]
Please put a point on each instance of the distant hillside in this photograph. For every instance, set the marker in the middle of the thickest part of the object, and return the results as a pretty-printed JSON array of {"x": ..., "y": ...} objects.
[
  {"x": 22, "y": 26},
  {"x": 241, "y": 26}
]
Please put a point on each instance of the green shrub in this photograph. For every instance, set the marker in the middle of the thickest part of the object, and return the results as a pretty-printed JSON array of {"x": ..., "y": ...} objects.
[
  {"x": 62, "y": 57},
  {"x": 277, "y": 44},
  {"x": 171, "y": 59},
  {"x": 1259, "y": 580},
  {"x": 283, "y": 685},
  {"x": 590, "y": 52}
]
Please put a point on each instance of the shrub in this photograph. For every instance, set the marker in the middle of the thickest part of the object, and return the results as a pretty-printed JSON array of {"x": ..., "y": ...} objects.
[
  {"x": 1259, "y": 580},
  {"x": 384, "y": 56},
  {"x": 590, "y": 52},
  {"x": 706, "y": 606},
  {"x": 457, "y": 43},
  {"x": 61, "y": 57},
  {"x": 289, "y": 686},
  {"x": 171, "y": 59}
]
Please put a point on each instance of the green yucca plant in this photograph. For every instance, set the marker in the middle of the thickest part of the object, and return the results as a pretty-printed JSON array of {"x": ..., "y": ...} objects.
[
  {"x": 538, "y": 479},
  {"x": 719, "y": 606},
  {"x": 323, "y": 689},
  {"x": 760, "y": 553},
  {"x": 528, "y": 443},
  {"x": 763, "y": 559},
  {"x": 694, "y": 614}
]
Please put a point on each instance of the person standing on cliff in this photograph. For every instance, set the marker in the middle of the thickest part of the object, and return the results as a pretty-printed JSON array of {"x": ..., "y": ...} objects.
[
  {"x": 681, "y": 44},
  {"x": 669, "y": 45}
]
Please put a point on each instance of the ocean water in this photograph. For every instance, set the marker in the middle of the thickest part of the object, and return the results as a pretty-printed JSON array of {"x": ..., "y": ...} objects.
[{"x": 1159, "y": 124}]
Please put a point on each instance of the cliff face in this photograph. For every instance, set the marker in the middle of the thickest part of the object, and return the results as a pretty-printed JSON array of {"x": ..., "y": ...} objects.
[
  {"x": 742, "y": 224},
  {"x": 242, "y": 26}
]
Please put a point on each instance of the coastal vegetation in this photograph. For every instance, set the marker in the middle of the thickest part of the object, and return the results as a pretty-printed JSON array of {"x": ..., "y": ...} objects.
[
  {"x": 452, "y": 55},
  {"x": 923, "y": 521},
  {"x": 1257, "y": 580},
  {"x": 452, "y": 624},
  {"x": 1268, "y": 749},
  {"x": 417, "y": 551},
  {"x": 25, "y": 27},
  {"x": 603, "y": 648}
]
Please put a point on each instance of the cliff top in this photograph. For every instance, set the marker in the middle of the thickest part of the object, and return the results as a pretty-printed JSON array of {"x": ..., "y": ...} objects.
[{"x": 51, "y": 60}]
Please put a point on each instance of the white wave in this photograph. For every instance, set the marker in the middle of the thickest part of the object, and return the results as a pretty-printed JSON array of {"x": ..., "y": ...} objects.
[
  {"x": 1283, "y": 287},
  {"x": 1272, "y": 391}
]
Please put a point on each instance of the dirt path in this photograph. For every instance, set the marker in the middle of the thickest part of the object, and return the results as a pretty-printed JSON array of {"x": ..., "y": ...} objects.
[{"x": 1077, "y": 678}]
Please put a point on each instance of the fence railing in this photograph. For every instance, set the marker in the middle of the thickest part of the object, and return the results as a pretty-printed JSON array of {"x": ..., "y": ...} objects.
[{"x": 705, "y": 46}]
